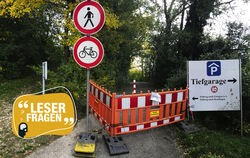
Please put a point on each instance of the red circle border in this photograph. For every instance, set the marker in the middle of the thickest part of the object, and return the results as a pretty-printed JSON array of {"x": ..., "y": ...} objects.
[
  {"x": 101, "y": 52},
  {"x": 102, "y": 20},
  {"x": 216, "y": 89}
]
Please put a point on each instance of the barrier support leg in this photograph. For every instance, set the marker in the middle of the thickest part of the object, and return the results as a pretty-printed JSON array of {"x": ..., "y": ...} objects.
[{"x": 113, "y": 114}]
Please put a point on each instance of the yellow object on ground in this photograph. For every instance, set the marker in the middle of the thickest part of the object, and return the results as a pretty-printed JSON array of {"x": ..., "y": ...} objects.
[
  {"x": 84, "y": 155},
  {"x": 85, "y": 147}
]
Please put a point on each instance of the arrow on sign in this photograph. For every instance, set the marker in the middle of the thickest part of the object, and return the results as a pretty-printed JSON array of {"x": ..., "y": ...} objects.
[
  {"x": 195, "y": 98},
  {"x": 233, "y": 80}
]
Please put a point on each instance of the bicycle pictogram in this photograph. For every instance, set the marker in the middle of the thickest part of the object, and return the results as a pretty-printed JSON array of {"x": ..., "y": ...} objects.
[{"x": 91, "y": 53}]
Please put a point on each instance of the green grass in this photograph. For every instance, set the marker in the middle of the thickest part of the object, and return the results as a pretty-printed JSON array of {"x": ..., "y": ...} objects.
[
  {"x": 135, "y": 74},
  {"x": 11, "y": 88},
  {"x": 214, "y": 144}
]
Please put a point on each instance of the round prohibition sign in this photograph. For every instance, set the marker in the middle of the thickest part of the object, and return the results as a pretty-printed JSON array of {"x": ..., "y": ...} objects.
[
  {"x": 88, "y": 52},
  {"x": 214, "y": 89},
  {"x": 89, "y": 17}
]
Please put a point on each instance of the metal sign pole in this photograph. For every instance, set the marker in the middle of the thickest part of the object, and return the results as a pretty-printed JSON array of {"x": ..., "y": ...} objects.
[
  {"x": 188, "y": 107},
  {"x": 87, "y": 106},
  {"x": 241, "y": 110},
  {"x": 43, "y": 78}
]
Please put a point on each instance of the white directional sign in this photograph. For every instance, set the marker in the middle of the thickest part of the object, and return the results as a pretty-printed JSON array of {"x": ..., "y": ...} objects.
[
  {"x": 214, "y": 85},
  {"x": 88, "y": 52},
  {"x": 89, "y": 17}
]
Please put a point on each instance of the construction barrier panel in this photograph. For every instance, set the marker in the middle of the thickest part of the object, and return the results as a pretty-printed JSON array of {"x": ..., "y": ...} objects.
[{"x": 121, "y": 114}]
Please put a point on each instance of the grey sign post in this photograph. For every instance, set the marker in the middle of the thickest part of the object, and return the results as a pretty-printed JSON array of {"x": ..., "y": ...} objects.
[
  {"x": 87, "y": 107},
  {"x": 44, "y": 76},
  {"x": 241, "y": 110}
]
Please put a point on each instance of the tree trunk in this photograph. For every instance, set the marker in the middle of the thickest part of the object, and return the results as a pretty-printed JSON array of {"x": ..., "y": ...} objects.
[
  {"x": 165, "y": 11},
  {"x": 182, "y": 14}
]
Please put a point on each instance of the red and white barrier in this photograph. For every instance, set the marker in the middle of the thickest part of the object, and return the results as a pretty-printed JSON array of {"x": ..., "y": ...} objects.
[
  {"x": 134, "y": 86},
  {"x": 142, "y": 101},
  {"x": 148, "y": 125},
  {"x": 121, "y": 114},
  {"x": 101, "y": 95}
]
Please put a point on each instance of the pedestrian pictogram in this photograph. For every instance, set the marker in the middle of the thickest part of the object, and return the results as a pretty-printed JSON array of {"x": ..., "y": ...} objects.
[
  {"x": 89, "y": 17},
  {"x": 88, "y": 52}
]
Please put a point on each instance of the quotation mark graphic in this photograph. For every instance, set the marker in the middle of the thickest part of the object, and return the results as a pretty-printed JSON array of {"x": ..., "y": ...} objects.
[
  {"x": 67, "y": 120},
  {"x": 25, "y": 105}
]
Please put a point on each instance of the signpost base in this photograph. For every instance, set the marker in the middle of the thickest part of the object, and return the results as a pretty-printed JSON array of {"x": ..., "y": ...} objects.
[{"x": 85, "y": 145}]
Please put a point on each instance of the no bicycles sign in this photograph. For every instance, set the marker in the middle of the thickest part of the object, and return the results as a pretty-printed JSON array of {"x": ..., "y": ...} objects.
[{"x": 88, "y": 52}]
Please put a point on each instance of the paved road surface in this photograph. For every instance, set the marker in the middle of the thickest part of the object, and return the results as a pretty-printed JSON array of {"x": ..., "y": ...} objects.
[{"x": 154, "y": 143}]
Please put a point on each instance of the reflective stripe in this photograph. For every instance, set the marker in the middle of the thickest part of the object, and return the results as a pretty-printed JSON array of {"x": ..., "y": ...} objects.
[
  {"x": 141, "y": 101},
  {"x": 177, "y": 118},
  {"x": 152, "y": 124},
  {"x": 168, "y": 98},
  {"x": 92, "y": 89},
  {"x": 125, "y": 129},
  {"x": 96, "y": 93},
  {"x": 139, "y": 127},
  {"x": 180, "y": 96},
  {"x": 125, "y": 103},
  {"x": 165, "y": 121},
  {"x": 101, "y": 96},
  {"x": 107, "y": 100},
  {"x": 107, "y": 126}
]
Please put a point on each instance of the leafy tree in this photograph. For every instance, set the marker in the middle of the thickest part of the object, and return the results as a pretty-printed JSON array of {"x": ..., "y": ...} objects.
[
  {"x": 177, "y": 42},
  {"x": 25, "y": 41},
  {"x": 235, "y": 45},
  {"x": 197, "y": 18}
]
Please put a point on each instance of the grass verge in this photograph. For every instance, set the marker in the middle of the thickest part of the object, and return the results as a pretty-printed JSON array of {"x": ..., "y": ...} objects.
[
  {"x": 214, "y": 144},
  {"x": 10, "y": 145}
]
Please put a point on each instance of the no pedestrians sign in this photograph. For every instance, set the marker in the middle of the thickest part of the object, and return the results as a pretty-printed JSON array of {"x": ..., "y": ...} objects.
[{"x": 89, "y": 17}]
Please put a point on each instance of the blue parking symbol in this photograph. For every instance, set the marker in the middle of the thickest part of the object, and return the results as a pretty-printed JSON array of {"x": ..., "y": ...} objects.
[{"x": 213, "y": 68}]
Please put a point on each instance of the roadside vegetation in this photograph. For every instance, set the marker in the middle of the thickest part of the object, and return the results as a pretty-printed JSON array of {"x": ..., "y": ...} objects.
[{"x": 207, "y": 143}]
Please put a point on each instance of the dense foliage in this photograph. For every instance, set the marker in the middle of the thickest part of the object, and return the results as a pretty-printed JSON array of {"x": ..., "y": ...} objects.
[{"x": 35, "y": 31}]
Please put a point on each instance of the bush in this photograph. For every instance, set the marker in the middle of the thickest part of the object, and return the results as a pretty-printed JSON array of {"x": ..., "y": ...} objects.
[
  {"x": 214, "y": 144},
  {"x": 178, "y": 80},
  {"x": 135, "y": 74},
  {"x": 71, "y": 76}
]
